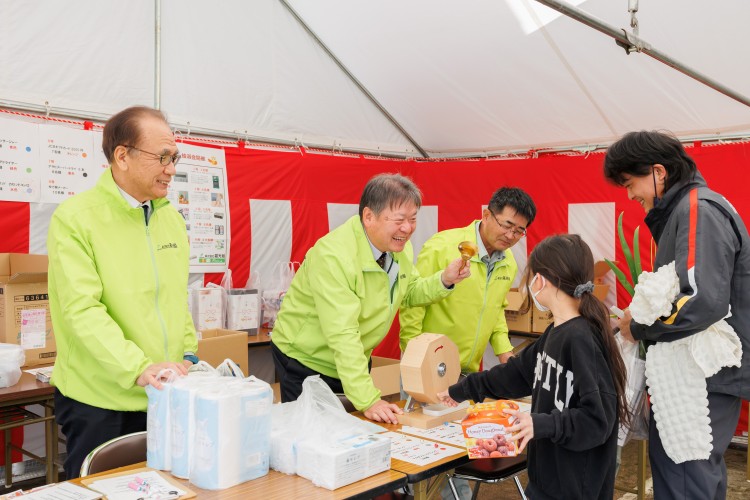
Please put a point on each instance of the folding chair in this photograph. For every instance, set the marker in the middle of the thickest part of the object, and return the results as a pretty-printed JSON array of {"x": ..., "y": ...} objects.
[
  {"x": 125, "y": 450},
  {"x": 489, "y": 470}
]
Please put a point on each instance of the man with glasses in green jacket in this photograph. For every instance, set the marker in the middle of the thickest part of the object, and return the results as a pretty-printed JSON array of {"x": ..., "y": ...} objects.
[
  {"x": 474, "y": 314},
  {"x": 118, "y": 273}
]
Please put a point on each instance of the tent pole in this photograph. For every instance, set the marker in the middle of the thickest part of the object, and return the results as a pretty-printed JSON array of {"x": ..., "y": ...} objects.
[
  {"x": 631, "y": 43},
  {"x": 157, "y": 54},
  {"x": 354, "y": 79}
]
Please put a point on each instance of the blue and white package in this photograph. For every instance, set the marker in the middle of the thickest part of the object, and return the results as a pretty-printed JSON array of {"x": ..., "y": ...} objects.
[
  {"x": 232, "y": 434},
  {"x": 158, "y": 430},
  {"x": 181, "y": 408}
]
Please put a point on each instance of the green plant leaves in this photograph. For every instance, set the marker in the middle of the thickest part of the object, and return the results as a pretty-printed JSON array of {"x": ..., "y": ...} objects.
[
  {"x": 632, "y": 258},
  {"x": 620, "y": 277}
]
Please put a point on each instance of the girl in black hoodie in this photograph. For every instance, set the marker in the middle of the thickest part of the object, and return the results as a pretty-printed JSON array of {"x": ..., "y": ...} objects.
[{"x": 574, "y": 374}]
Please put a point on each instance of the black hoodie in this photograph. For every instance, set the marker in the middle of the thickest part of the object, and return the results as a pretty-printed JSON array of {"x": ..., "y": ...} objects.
[{"x": 574, "y": 410}]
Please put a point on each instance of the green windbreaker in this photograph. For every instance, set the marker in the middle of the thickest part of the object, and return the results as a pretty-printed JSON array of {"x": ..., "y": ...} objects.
[
  {"x": 337, "y": 309},
  {"x": 117, "y": 294},
  {"x": 474, "y": 314}
]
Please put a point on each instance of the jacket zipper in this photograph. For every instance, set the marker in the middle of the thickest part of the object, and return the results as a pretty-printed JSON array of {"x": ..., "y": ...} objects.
[
  {"x": 481, "y": 315},
  {"x": 156, "y": 298}
]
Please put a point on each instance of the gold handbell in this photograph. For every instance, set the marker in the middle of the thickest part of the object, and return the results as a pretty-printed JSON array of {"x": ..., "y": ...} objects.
[{"x": 468, "y": 250}]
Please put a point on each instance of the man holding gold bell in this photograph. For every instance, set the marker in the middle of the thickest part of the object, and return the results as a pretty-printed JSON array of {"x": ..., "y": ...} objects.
[{"x": 474, "y": 314}]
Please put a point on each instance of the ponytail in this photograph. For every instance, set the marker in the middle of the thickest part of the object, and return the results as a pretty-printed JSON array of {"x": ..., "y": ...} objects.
[{"x": 595, "y": 312}]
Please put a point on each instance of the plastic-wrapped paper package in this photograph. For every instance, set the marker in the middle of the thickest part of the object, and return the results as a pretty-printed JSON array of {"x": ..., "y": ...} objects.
[
  {"x": 335, "y": 464},
  {"x": 158, "y": 422},
  {"x": 243, "y": 310},
  {"x": 182, "y": 404},
  {"x": 208, "y": 307},
  {"x": 285, "y": 420},
  {"x": 232, "y": 434},
  {"x": 12, "y": 358},
  {"x": 317, "y": 415}
]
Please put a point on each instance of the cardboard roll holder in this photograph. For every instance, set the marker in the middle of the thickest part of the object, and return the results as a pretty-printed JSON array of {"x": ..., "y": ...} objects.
[{"x": 430, "y": 364}]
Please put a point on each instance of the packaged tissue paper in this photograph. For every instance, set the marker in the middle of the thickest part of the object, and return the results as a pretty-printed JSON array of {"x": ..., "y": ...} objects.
[
  {"x": 158, "y": 427},
  {"x": 182, "y": 413},
  {"x": 284, "y": 436},
  {"x": 232, "y": 434},
  {"x": 208, "y": 308},
  {"x": 332, "y": 465},
  {"x": 243, "y": 310}
]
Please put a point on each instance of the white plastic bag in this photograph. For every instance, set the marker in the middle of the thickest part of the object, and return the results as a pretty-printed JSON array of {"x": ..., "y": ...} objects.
[
  {"x": 318, "y": 419},
  {"x": 12, "y": 358},
  {"x": 229, "y": 368},
  {"x": 274, "y": 291},
  {"x": 635, "y": 392}
]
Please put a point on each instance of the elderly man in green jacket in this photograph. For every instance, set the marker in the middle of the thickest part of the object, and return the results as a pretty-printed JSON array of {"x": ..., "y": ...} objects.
[
  {"x": 474, "y": 314},
  {"x": 118, "y": 272},
  {"x": 345, "y": 295}
]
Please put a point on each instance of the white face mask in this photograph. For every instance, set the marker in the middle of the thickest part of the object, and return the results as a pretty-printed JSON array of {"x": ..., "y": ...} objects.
[{"x": 533, "y": 295}]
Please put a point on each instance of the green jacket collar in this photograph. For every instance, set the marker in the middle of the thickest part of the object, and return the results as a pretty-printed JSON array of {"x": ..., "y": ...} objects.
[
  {"x": 108, "y": 185},
  {"x": 364, "y": 250}
]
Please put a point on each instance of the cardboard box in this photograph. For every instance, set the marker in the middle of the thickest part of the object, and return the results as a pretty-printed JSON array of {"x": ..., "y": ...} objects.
[
  {"x": 386, "y": 375},
  {"x": 516, "y": 320},
  {"x": 601, "y": 292},
  {"x": 216, "y": 345},
  {"x": 24, "y": 307}
]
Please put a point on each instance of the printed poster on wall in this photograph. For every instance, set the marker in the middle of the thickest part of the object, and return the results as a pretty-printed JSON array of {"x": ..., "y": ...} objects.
[
  {"x": 199, "y": 192},
  {"x": 20, "y": 174},
  {"x": 67, "y": 161}
]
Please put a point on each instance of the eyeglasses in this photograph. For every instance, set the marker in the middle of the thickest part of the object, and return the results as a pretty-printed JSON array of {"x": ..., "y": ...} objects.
[
  {"x": 509, "y": 227},
  {"x": 164, "y": 159}
]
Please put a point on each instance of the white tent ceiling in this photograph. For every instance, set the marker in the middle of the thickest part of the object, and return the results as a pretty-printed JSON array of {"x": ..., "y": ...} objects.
[{"x": 459, "y": 78}]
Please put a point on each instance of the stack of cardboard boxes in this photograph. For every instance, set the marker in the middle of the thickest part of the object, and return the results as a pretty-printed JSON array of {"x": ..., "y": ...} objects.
[
  {"x": 536, "y": 321},
  {"x": 24, "y": 307}
]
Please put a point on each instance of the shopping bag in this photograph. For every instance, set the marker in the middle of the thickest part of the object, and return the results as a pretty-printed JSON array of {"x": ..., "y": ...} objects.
[{"x": 635, "y": 392}]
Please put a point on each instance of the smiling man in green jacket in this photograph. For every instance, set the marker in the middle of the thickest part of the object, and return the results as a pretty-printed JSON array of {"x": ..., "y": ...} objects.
[
  {"x": 118, "y": 271},
  {"x": 343, "y": 299},
  {"x": 474, "y": 314}
]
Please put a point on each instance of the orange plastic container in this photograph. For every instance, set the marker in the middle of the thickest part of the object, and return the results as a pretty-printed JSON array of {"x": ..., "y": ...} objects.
[{"x": 485, "y": 429}]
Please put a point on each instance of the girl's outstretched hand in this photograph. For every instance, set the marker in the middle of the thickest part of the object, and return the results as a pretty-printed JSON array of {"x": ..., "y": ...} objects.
[
  {"x": 445, "y": 399},
  {"x": 522, "y": 429}
]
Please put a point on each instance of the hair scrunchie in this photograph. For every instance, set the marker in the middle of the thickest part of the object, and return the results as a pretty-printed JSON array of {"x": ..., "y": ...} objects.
[{"x": 587, "y": 287}]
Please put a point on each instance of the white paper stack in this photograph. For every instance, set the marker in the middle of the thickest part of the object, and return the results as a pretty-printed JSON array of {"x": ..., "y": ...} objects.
[{"x": 332, "y": 465}]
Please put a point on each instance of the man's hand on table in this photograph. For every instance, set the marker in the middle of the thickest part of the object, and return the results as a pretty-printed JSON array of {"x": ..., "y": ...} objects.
[{"x": 383, "y": 411}]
